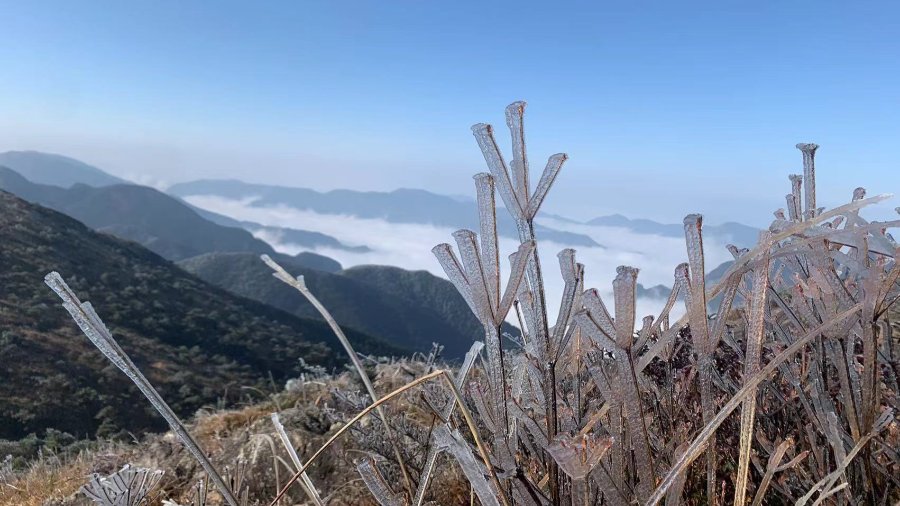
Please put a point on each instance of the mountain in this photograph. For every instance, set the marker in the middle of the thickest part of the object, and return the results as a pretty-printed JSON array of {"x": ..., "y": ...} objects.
[
  {"x": 654, "y": 292},
  {"x": 310, "y": 260},
  {"x": 57, "y": 170},
  {"x": 158, "y": 221},
  {"x": 412, "y": 309},
  {"x": 398, "y": 206},
  {"x": 742, "y": 236},
  {"x": 197, "y": 343}
]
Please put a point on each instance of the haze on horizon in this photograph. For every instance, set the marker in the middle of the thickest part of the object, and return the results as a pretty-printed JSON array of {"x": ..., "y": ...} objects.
[{"x": 663, "y": 108}]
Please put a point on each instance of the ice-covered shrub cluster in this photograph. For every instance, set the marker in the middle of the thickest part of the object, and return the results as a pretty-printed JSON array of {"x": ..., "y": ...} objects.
[{"x": 594, "y": 405}]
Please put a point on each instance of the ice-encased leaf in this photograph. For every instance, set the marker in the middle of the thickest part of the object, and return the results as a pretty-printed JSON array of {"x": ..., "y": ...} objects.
[
  {"x": 624, "y": 287},
  {"x": 572, "y": 278},
  {"x": 454, "y": 271},
  {"x": 795, "y": 211},
  {"x": 484, "y": 135},
  {"x": 305, "y": 481},
  {"x": 578, "y": 455},
  {"x": 589, "y": 326},
  {"x": 471, "y": 261},
  {"x": 755, "y": 332},
  {"x": 474, "y": 470},
  {"x": 434, "y": 449},
  {"x": 825, "y": 484},
  {"x": 377, "y": 485},
  {"x": 551, "y": 170},
  {"x": 87, "y": 320},
  {"x": 487, "y": 217},
  {"x": 518, "y": 263},
  {"x": 599, "y": 314},
  {"x": 515, "y": 113},
  {"x": 128, "y": 486}
]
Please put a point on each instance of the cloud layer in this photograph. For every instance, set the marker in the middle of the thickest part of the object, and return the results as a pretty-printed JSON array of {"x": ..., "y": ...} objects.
[{"x": 409, "y": 246}]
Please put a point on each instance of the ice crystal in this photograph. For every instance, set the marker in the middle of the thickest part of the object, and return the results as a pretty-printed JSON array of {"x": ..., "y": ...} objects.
[{"x": 128, "y": 486}]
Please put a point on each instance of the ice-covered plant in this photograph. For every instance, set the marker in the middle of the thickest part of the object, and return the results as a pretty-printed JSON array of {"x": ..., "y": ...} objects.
[
  {"x": 797, "y": 330},
  {"x": 128, "y": 486},
  {"x": 93, "y": 327},
  {"x": 597, "y": 406}
]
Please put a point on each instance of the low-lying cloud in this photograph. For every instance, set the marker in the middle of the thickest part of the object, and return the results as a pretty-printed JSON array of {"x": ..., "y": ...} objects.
[{"x": 409, "y": 246}]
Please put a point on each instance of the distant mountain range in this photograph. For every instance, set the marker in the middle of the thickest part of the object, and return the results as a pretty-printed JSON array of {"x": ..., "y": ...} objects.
[
  {"x": 57, "y": 170},
  {"x": 138, "y": 213},
  {"x": 178, "y": 231},
  {"x": 411, "y": 309},
  {"x": 740, "y": 235},
  {"x": 398, "y": 206},
  {"x": 195, "y": 342}
]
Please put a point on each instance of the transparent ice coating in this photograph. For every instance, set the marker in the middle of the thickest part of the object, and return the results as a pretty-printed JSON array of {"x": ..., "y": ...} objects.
[
  {"x": 809, "y": 177},
  {"x": 90, "y": 324},
  {"x": 579, "y": 455},
  {"x": 305, "y": 481},
  {"x": 376, "y": 483},
  {"x": 452, "y": 442},
  {"x": 128, "y": 486}
]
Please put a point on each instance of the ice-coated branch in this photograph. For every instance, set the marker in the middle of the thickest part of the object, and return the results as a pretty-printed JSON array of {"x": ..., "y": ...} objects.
[
  {"x": 809, "y": 177},
  {"x": 755, "y": 333},
  {"x": 305, "y": 481},
  {"x": 92, "y": 327},
  {"x": 377, "y": 485}
]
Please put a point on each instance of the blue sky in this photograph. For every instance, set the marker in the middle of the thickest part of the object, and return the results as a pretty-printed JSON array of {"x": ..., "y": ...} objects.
[{"x": 664, "y": 107}]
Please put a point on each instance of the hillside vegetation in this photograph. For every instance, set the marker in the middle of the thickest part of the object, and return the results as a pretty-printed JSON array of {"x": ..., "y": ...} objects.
[
  {"x": 411, "y": 309},
  {"x": 196, "y": 342}
]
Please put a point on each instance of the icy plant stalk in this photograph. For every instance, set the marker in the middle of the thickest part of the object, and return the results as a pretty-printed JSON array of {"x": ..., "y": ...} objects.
[
  {"x": 513, "y": 186},
  {"x": 755, "y": 334},
  {"x": 96, "y": 331},
  {"x": 696, "y": 307},
  {"x": 434, "y": 448},
  {"x": 305, "y": 481},
  {"x": 300, "y": 285}
]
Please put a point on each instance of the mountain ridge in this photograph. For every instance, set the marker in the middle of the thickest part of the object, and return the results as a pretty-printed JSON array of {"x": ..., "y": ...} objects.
[
  {"x": 191, "y": 338},
  {"x": 411, "y": 308},
  {"x": 404, "y": 205},
  {"x": 740, "y": 235},
  {"x": 55, "y": 169},
  {"x": 138, "y": 213}
]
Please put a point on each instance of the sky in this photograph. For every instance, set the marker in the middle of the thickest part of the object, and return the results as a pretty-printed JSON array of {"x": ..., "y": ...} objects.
[{"x": 665, "y": 108}]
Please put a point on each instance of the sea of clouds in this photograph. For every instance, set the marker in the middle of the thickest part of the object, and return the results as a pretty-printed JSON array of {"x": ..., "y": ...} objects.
[{"x": 409, "y": 246}]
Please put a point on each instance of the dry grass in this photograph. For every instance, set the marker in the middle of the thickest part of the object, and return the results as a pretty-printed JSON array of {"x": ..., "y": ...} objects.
[{"x": 311, "y": 413}]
